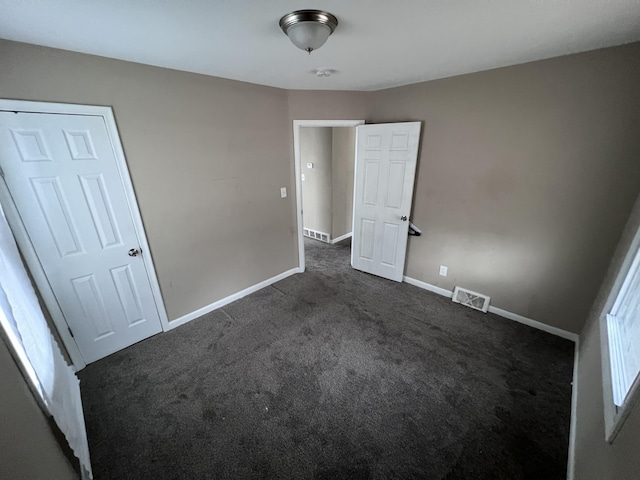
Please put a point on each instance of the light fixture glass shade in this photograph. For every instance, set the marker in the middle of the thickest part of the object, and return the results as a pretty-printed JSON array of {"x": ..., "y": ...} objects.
[
  {"x": 308, "y": 36},
  {"x": 308, "y": 29}
]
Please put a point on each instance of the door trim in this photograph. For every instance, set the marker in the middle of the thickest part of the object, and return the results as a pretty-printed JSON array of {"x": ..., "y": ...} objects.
[
  {"x": 297, "y": 124},
  {"x": 26, "y": 246}
]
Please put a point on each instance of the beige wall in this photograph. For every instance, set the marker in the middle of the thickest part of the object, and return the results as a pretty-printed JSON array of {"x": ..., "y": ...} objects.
[
  {"x": 29, "y": 448},
  {"x": 596, "y": 459},
  {"x": 327, "y": 105},
  {"x": 207, "y": 158},
  {"x": 316, "y": 148},
  {"x": 525, "y": 178},
  {"x": 343, "y": 161}
]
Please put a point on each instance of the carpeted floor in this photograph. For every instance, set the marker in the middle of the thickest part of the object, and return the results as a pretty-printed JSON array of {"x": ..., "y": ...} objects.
[{"x": 334, "y": 374}]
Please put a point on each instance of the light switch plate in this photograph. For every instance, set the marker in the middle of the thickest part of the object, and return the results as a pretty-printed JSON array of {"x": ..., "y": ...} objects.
[
  {"x": 443, "y": 271},
  {"x": 309, "y": 165},
  {"x": 283, "y": 192}
]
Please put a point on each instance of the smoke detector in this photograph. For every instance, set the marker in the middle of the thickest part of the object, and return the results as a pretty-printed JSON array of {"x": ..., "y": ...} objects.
[{"x": 323, "y": 72}]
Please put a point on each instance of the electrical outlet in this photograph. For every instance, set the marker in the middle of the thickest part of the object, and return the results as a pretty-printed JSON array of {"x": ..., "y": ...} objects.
[
  {"x": 443, "y": 271},
  {"x": 283, "y": 192}
]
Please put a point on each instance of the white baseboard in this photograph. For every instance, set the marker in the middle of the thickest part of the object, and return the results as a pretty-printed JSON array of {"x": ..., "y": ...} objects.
[
  {"x": 535, "y": 324},
  {"x": 427, "y": 286},
  {"x": 499, "y": 311},
  {"x": 341, "y": 237},
  {"x": 571, "y": 458},
  {"x": 231, "y": 298}
]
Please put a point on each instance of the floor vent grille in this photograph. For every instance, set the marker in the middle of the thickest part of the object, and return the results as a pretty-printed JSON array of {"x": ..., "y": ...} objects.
[
  {"x": 471, "y": 299},
  {"x": 323, "y": 237}
]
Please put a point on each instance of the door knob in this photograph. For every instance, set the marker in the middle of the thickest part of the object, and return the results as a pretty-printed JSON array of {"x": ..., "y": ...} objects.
[
  {"x": 134, "y": 252},
  {"x": 403, "y": 218}
]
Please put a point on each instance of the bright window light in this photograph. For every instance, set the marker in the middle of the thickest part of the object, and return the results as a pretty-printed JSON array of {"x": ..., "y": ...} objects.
[
  {"x": 19, "y": 350},
  {"x": 623, "y": 328}
]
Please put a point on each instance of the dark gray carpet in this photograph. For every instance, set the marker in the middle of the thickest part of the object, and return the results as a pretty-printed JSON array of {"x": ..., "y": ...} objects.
[{"x": 334, "y": 374}]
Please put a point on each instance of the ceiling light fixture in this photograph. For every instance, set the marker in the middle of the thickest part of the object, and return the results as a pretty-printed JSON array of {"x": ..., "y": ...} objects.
[{"x": 308, "y": 29}]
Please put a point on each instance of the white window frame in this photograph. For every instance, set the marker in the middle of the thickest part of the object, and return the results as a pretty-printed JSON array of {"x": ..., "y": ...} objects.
[{"x": 615, "y": 416}]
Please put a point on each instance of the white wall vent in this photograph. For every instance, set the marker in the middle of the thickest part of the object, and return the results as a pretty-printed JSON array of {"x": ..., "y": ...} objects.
[
  {"x": 471, "y": 299},
  {"x": 323, "y": 237}
]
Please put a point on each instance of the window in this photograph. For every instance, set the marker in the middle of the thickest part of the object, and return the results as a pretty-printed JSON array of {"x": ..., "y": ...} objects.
[
  {"x": 24, "y": 328},
  {"x": 21, "y": 319},
  {"x": 620, "y": 338},
  {"x": 623, "y": 325}
]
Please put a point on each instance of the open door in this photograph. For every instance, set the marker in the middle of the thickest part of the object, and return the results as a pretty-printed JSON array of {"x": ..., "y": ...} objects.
[{"x": 386, "y": 158}]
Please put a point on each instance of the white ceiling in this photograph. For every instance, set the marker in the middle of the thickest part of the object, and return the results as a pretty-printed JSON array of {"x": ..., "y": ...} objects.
[{"x": 378, "y": 44}]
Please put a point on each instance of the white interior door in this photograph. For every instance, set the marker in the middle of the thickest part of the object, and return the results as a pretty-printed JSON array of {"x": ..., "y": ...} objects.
[
  {"x": 63, "y": 177},
  {"x": 385, "y": 171}
]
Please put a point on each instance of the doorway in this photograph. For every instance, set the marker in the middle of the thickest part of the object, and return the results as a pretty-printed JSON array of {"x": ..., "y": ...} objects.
[
  {"x": 325, "y": 153},
  {"x": 385, "y": 161}
]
